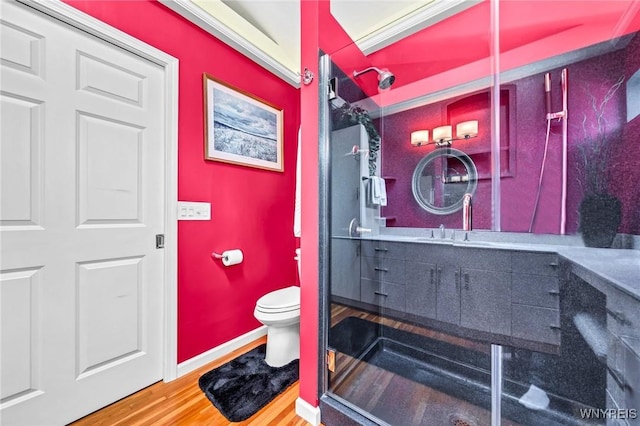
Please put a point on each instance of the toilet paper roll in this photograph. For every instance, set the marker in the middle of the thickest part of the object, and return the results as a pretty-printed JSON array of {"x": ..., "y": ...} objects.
[{"x": 232, "y": 257}]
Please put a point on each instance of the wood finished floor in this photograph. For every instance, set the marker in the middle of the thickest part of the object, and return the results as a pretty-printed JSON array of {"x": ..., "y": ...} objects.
[
  {"x": 393, "y": 398},
  {"x": 386, "y": 395},
  {"x": 181, "y": 402}
]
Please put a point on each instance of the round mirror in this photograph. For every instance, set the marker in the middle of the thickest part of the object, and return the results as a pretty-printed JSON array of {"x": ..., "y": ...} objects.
[{"x": 441, "y": 179}]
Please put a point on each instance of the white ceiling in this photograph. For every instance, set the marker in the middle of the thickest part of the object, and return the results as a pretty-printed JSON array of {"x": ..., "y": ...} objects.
[{"x": 268, "y": 31}]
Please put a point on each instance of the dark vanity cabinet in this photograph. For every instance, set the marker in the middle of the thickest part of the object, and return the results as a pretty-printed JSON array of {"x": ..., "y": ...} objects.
[
  {"x": 623, "y": 357},
  {"x": 422, "y": 280},
  {"x": 507, "y": 295},
  {"x": 345, "y": 268},
  {"x": 382, "y": 271},
  {"x": 484, "y": 278},
  {"x": 535, "y": 297},
  {"x": 431, "y": 289}
]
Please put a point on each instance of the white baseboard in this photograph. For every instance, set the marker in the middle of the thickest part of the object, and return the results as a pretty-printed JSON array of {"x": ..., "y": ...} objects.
[
  {"x": 220, "y": 351},
  {"x": 308, "y": 412}
]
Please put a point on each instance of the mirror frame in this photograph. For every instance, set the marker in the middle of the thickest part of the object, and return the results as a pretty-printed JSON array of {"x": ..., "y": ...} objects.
[{"x": 449, "y": 152}]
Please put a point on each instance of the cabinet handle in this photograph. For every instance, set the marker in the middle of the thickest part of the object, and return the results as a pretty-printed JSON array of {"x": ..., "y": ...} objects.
[
  {"x": 439, "y": 276},
  {"x": 379, "y": 293},
  {"x": 381, "y": 269},
  {"x": 457, "y": 279},
  {"x": 618, "y": 378},
  {"x": 619, "y": 317},
  {"x": 554, "y": 264},
  {"x": 380, "y": 249},
  {"x": 431, "y": 276},
  {"x": 466, "y": 281},
  {"x": 554, "y": 292},
  {"x": 555, "y": 327}
]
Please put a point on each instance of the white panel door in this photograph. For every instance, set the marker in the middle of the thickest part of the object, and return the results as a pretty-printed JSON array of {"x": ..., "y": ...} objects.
[{"x": 82, "y": 198}]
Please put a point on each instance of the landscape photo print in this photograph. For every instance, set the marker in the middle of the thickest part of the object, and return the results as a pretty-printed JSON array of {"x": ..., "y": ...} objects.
[{"x": 241, "y": 128}]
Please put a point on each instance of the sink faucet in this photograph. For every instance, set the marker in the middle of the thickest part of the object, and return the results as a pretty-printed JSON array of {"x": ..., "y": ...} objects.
[
  {"x": 466, "y": 212},
  {"x": 442, "y": 232}
]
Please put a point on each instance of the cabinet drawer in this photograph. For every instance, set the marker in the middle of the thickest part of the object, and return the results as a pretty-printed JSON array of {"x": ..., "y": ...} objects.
[
  {"x": 535, "y": 263},
  {"x": 383, "y": 249},
  {"x": 535, "y": 290},
  {"x": 622, "y": 314},
  {"x": 535, "y": 323},
  {"x": 632, "y": 374},
  {"x": 483, "y": 259},
  {"x": 386, "y": 295},
  {"x": 432, "y": 252},
  {"x": 386, "y": 270}
]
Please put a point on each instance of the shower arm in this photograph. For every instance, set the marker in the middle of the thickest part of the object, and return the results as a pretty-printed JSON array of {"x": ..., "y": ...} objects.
[{"x": 358, "y": 73}]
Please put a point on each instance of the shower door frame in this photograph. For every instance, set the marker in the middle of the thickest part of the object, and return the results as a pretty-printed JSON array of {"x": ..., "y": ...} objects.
[{"x": 324, "y": 269}]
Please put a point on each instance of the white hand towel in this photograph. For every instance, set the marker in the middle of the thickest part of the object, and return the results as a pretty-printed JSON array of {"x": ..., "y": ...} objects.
[
  {"x": 383, "y": 192},
  {"x": 378, "y": 191},
  {"x": 297, "y": 209}
]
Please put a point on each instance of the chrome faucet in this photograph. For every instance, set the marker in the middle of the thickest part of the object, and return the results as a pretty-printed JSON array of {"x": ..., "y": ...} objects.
[
  {"x": 466, "y": 212},
  {"x": 442, "y": 232}
]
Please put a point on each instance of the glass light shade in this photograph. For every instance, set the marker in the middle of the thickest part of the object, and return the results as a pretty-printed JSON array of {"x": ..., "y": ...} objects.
[
  {"x": 419, "y": 137},
  {"x": 467, "y": 129},
  {"x": 442, "y": 133}
]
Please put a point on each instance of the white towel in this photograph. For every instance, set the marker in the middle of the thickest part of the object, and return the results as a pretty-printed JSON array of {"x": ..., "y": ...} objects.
[
  {"x": 378, "y": 191},
  {"x": 535, "y": 399},
  {"x": 297, "y": 210}
]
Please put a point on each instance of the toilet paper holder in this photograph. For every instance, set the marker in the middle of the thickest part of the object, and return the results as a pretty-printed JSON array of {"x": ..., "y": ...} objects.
[{"x": 229, "y": 257}]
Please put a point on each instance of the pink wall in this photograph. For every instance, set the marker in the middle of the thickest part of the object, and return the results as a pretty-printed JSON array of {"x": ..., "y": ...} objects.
[
  {"x": 518, "y": 191},
  {"x": 251, "y": 209},
  {"x": 309, "y": 289}
]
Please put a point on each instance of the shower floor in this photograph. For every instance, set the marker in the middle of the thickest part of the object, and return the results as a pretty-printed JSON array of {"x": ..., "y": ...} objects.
[{"x": 427, "y": 381}]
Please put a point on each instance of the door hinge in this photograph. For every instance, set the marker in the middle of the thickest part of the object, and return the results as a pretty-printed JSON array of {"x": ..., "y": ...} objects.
[
  {"x": 159, "y": 241},
  {"x": 331, "y": 360}
]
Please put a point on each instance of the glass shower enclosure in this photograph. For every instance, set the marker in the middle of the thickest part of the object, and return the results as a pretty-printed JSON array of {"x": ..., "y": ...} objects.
[{"x": 427, "y": 319}]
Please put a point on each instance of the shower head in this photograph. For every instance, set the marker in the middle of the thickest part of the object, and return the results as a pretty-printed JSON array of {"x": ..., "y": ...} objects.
[{"x": 385, "y": 77}]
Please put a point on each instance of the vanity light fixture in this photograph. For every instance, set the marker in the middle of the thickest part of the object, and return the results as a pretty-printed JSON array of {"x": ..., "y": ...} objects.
[
  {"x": 419, "y": 137},
  {"x": 467, "y": 129},
  {"x": 443, "y": 135}
]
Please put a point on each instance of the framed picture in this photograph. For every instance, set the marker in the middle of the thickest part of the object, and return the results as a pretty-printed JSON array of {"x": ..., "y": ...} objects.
[{"x": 241, "y": 128}]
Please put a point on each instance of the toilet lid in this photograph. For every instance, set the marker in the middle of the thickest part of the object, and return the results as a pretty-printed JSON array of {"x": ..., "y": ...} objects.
[{"x": 280, "y": 299}]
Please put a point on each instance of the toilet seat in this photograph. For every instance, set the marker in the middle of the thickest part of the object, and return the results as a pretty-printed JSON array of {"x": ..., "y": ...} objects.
[{"x": 280, "y": 301}]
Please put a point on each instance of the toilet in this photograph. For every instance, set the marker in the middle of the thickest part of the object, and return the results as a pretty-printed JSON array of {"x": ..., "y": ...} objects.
[{"x": 279, "y": 310}]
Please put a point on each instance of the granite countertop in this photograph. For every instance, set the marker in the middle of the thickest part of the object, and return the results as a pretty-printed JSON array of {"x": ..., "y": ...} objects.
[
  {"x": 620, "y": 268},
  {"x": 617, "y": 267}
]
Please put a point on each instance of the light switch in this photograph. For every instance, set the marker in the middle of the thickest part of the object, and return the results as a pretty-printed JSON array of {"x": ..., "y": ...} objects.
[{"x": 191, "y": 210}]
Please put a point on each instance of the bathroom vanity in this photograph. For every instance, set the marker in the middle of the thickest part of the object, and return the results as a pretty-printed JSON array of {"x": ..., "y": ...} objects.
[{"x": 521, "y": 295}]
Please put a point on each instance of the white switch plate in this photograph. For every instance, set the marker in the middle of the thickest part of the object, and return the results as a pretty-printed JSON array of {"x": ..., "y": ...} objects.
[{"x": 191, "y": 210}]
